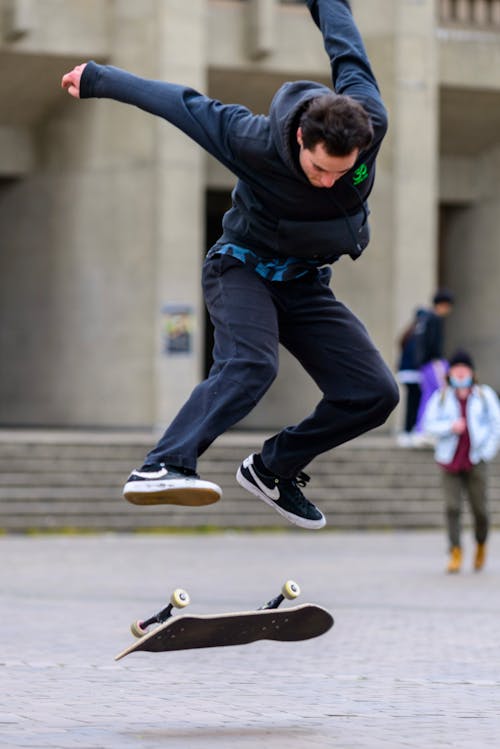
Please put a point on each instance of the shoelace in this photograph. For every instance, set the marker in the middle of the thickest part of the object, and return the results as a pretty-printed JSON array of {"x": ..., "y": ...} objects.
[{"x": 300, "y": 480}]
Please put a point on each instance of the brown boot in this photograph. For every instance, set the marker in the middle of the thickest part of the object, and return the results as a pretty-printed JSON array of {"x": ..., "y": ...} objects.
[
  {"x": 455, "y": 559},
  {"x": 480, "y": 557}
]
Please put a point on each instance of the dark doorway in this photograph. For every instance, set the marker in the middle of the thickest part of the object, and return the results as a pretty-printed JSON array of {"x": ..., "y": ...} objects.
[{"x": 448, "y": 215}]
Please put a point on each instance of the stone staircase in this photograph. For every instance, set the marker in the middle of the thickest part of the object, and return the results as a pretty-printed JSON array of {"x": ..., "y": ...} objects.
[{"x": 54, "y": 480}]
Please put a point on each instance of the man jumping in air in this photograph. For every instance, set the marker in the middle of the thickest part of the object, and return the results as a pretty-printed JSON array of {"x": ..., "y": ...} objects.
[{"x": 304, "y": 175}]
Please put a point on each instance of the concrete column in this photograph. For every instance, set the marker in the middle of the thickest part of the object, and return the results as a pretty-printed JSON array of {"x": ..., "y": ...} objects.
[
  {"x": 180, "y": 211},
  {"x": 415, "y": 127},
  {"x": 472, "y": 267},
  {"x": 260, "y": 28}
]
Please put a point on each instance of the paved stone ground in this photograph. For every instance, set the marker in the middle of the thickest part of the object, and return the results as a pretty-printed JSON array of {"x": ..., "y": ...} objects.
[{"x": 413, "y": 659}]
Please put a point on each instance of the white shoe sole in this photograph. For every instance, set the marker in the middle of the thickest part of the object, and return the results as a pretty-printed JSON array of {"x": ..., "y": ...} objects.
[
  {"x": 313, "y": 525},
  {"x": 187, "y": 492}
]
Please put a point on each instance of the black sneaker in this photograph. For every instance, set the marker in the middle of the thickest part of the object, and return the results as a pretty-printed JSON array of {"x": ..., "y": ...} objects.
[
  {"x": 282, "y": 494},
  {"x": 158, "y": 484}
]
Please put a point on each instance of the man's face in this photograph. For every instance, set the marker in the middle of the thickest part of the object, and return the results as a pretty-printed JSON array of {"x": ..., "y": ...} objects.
[
  {"x": 443, "y": 309},
  {"x": 321, "y": 169}
]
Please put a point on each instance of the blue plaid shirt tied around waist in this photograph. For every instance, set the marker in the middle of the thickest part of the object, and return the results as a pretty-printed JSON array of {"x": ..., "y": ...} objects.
[{"x": 272, "y": 269}]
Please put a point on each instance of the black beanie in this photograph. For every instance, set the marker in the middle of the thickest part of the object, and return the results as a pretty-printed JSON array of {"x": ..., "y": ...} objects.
[
  {"x": 461, "y": 357},
  {"x": 443, "y": 295}
]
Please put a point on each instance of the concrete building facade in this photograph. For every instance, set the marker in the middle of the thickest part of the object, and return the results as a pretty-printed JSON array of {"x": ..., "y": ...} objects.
[{"x": 106, "y": 212}]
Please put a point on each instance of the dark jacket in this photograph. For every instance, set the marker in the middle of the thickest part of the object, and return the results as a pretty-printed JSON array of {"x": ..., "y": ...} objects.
[
  {"x": 275, "y": 210},
  {"x": 408, "y": 343},
  {"x": 429, "y": 338}
]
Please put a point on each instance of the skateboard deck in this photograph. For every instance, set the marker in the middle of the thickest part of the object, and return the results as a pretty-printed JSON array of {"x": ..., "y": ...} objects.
[{"x": 188, "y": 632}]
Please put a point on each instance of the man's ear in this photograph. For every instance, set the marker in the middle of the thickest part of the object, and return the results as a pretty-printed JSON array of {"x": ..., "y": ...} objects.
[{"x": 299, "y": 137}]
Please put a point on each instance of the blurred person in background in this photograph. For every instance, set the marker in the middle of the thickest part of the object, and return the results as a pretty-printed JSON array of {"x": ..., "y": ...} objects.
[
  {"x": 408, "y": 375},
  {"x": 429, "y": 351},
  {"x": 464, "y": 419}
]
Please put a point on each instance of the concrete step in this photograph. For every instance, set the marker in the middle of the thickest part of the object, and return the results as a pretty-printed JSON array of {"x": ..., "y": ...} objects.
[{"x": 54, "y": 480}]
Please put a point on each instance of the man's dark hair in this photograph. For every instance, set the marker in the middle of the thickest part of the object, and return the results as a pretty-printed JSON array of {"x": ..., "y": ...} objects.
[{"x": 339, "y": 122}]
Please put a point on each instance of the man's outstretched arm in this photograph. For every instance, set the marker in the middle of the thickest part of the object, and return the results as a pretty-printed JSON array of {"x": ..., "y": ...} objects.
[
  {"x": 216, "y": 127},
  {"x": 352, "y": 74}
]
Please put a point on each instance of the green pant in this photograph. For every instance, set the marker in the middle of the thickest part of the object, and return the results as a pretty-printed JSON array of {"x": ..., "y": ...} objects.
[{"x": 472, "y": 484}]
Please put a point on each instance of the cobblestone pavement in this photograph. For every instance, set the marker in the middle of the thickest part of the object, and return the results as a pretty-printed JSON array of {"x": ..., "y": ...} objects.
[{"x": 412, "y": 661}]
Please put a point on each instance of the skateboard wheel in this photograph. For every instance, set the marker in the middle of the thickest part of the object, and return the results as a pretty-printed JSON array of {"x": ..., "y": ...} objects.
[
  {"x": 180, "y": 598},
  {"x": 290, "y": 590},
  {"x": 137, "y": 629}
]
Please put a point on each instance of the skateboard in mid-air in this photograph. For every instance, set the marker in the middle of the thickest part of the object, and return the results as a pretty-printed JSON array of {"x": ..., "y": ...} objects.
[{"x": 187, "y": 632}]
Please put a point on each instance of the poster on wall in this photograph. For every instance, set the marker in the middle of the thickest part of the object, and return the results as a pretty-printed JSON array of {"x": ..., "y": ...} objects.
[{"x": 177, "y": 329}]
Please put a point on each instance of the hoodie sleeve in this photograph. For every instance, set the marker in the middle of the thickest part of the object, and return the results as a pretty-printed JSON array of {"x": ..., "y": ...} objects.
[
  {"x": 216, "y": 127},
  {"x": 351, "y": 70}
]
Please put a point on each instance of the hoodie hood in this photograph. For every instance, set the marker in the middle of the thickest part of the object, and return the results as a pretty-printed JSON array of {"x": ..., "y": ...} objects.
[
  {"x": 282, "y": 214},
  {"x": 286, "y": 107}
]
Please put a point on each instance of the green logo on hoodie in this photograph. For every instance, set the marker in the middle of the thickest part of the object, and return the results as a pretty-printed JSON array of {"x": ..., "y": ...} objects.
[{"x": 360, "y": 174}]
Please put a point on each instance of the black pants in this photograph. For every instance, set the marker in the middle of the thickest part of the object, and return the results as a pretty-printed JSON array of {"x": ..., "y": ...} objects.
[
  {"x": 413, "y": 394},
  {"x": 250, "y": 316}
]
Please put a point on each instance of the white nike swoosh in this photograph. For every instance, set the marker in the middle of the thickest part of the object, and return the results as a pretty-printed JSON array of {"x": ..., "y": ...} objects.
[
  {"x": 150, "y": 474},
  {"x": 273, "y": 494}
]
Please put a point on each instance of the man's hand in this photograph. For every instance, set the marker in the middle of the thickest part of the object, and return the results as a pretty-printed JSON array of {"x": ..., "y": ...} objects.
[{"x": 71, "y": 81}]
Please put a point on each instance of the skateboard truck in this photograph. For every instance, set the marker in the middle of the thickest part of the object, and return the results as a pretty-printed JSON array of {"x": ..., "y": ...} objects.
[
  {"x": 289, "y": 590},
  {"x": 178, "y": 600}
]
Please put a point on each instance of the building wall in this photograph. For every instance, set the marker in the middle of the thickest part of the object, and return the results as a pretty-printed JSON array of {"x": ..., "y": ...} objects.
[
  {"x": 102, "y": 208},
  {"x": 472, "y": 265},
  {"x": 111, "y": 215}
]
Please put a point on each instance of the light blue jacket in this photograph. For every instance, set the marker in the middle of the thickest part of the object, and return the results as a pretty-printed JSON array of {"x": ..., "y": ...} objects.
[{"x": 483, "y": 422}]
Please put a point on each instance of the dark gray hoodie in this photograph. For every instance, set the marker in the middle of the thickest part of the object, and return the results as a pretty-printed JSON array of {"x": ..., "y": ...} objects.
[{"x": 276, "y": 211}]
